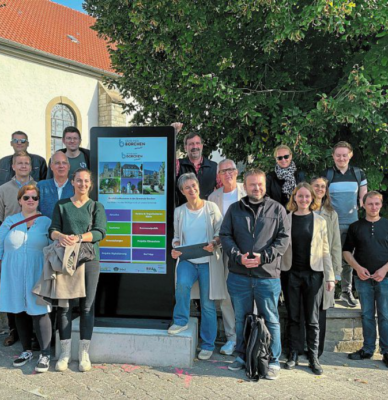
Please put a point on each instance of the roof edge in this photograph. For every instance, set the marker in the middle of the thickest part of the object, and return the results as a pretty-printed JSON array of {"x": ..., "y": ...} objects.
[{"x": 28, "y": 53}]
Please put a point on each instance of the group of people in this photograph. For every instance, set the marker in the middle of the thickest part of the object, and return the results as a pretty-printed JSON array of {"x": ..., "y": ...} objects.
[
  {"x": 273, "y": 233},
  {"x": 38, "y": 208},
  {"x": 277, "y": 232}
]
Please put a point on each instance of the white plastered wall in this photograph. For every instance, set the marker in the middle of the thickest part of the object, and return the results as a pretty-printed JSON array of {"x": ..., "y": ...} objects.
[{"x": 26, "y": 88}]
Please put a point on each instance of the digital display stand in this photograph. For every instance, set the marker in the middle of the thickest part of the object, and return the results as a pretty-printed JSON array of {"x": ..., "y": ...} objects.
[{"x": 134, "y": 178}]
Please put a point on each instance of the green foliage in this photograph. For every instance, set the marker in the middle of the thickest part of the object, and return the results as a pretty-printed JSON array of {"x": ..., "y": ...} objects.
[{"x": 251, "y": 74}]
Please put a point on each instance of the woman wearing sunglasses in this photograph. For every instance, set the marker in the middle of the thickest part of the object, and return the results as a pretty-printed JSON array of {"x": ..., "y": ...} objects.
[
  {"x": 22, "y": 239},
  {"x": 282, "y": 181}
]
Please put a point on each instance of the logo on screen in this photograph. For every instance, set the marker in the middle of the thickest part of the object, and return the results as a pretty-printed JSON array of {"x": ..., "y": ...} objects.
[{"x": 121, "y": 143}]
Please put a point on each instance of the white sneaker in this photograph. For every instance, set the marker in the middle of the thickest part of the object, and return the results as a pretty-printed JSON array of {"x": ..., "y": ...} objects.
[
  {"x": 205, "y": 354},
  {"x": 175, "y": 329},
  {"x": 228, "y": 348}
]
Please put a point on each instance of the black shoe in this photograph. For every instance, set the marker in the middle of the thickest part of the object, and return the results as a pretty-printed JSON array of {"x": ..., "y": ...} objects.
[
  {"x": 385, "y": 359},
  {"x": 360, "y": 355},
  {"x": 349, "y": 299},
  {"x": 292, "y": 360},
  {"x": 43, "y": 364},
  {"x": 315, "y": 366}
]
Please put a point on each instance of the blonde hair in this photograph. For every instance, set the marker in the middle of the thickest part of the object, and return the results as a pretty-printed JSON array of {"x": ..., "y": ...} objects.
[
  {"x": 372, "y": 193},
  {"x": 281, "y": 147},
  {"x": 292, "y": 206},
  {"x": 343, "y": 144}
]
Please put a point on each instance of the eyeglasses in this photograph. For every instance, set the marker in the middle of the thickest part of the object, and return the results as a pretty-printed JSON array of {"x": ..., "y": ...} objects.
[
  {"x": 227, "y": 170},
  {"x": 19, "y": 141},
  {"x": 286, "y": 157},
  {"x": 35, "y": 198},
  {"x": 72, "y": 139}
]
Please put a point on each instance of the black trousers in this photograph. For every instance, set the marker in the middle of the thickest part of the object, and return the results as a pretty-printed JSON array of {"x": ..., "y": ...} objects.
[
  {"x": 304, "y": 293},
  {"x": 86, "y": 306},
  {"x": 42, "y": 326}
]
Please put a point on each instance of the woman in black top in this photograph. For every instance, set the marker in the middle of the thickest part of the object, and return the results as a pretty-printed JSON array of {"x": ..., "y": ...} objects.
[
  {"x": 282, "y": 181},
  {"x": 309, "y": 264}
]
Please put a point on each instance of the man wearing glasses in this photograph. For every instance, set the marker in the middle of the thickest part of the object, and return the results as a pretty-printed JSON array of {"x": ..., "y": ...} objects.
[
  {"x": 19, "y": 142},
  {"x": 229, "y": 193},
  {"x": 78, "y": 156}
]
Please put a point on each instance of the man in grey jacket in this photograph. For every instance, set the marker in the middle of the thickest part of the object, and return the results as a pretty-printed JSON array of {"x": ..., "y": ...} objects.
[
  {"x": 255, "y": 234},
  {"x": 229, "y": 193}
]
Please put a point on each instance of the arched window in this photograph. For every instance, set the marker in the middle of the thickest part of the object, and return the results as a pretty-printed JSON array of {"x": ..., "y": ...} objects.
[{"x": 62, "y": 116}]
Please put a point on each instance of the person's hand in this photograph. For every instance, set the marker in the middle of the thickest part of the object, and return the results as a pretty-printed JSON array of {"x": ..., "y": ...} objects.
[
  {"x": 379, "y": 275},
  {"x": 363, "y": 273},
  {"x": 67, "y": 240},
  {"x": 250, "y": 262},
  {"x": 330, "y": 286},
  {"x": 175, "y": 254},
  {"x": 209, "y": 247},
  {"x": 177, "y": 126}
]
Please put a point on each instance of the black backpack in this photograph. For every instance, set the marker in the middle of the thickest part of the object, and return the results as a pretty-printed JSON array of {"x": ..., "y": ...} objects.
[{"x": 257, "y": 340}]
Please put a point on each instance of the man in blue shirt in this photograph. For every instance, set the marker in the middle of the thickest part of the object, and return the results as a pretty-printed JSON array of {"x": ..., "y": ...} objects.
[
  {"x": 57, "y": 188},
  {"x": 347, "y": 186}
]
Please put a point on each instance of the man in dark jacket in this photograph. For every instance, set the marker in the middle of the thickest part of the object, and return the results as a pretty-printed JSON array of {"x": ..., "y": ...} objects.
[
  {"x": 78, "y": 156},
  {"x": 205, "y": 169},
  {"x": 255, "y": 234},
  {"x": 19, "y": 142}
]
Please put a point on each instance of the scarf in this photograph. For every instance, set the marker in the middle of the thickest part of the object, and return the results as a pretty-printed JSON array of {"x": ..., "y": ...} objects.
[{"x": 288, "y": 175}]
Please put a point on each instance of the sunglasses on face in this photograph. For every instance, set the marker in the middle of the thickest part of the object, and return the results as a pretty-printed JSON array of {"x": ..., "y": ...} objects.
[
  {"x": 280, "y": 158},
  {"x": 19, "y": 141},
  {"x": 35, "y": 198}
]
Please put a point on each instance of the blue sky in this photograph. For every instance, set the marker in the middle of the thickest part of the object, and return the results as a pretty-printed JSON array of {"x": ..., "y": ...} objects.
[{"x": 76, "y": 4}]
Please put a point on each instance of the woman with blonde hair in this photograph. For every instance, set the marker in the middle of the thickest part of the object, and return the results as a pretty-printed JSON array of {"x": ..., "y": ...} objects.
[
  {"x": 309, "y": 264},
  {"x": 282, "y": 181}
]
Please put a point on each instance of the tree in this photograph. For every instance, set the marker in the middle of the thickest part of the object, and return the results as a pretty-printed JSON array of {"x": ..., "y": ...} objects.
[{"x": 251, "y": 74}]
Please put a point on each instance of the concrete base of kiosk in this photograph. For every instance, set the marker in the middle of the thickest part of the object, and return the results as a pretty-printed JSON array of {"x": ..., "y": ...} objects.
[{"x": 137, "y": 341}]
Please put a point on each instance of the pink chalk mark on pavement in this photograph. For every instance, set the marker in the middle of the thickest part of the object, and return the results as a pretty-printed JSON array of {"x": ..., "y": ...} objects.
[
  {"x": 222, "y": 367},
  {"x": 129, "y": 368}
]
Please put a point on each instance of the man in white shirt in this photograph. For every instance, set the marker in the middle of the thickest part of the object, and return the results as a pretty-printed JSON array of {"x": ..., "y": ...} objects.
[{"x": 229, "y": 193}]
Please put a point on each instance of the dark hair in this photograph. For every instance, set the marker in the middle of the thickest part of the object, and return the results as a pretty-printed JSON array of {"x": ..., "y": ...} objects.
[
  {"x": 71, "y": 129},
  {"x": 20, "y": 133},
  {"x": 326, "y": 200},
  {"x": 25, "y": 188},
  {"x": 20, "y": 154},
  {"x": 79, "y": 170},
  {"x": 190, "y": 136},
  {"x": 292, "y": 206}
]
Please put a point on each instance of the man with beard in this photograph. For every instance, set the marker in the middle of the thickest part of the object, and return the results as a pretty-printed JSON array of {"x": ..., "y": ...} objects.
[
  {"x": 202, "y": 167},
  {"x": 255, "y": 234}
]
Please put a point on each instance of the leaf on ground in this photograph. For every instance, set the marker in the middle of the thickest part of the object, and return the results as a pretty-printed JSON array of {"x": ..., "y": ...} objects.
[
  {"x": 360, "y": 380},
  {"x": 37, "y": 392}
]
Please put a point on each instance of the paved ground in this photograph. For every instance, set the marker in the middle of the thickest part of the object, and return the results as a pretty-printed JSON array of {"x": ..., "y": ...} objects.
[{"x": 343, "y": 379}]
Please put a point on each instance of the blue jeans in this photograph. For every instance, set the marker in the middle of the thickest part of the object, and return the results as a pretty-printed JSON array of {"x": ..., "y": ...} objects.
[
  {"x": 373, "y": 295},
  {"x": 243, "y": 290},
  {"x": 187, "y": 274}
]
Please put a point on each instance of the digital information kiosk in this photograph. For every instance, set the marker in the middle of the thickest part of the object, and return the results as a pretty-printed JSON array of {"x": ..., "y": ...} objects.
[{"x": 134, "y": 178}]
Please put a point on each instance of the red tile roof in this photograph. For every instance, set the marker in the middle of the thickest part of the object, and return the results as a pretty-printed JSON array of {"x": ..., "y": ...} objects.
[{"x": 44, "y": 25}]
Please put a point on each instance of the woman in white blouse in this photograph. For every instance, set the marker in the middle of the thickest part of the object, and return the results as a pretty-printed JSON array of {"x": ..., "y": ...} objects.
[{"x": 198, "y": 221}]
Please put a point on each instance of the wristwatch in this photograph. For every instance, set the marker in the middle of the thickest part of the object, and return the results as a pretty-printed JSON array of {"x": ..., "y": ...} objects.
[{"x": 80, "y": 238}]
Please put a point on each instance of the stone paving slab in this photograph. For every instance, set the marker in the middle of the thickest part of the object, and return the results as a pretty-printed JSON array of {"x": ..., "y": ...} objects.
[{"x": 342, "y": 379}]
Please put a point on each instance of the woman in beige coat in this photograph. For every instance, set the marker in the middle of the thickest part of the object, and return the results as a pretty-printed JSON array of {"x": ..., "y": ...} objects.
[
  {"x": 195, "y": 222},
  {"x": 309, "y": 262},
  {"x": 326, "y": 210}
]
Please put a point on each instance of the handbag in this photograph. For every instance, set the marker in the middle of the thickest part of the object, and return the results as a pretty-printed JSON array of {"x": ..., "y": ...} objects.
[{"x": 86, "y": 250}]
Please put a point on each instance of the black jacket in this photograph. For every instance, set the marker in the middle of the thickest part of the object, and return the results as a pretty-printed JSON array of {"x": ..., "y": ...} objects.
[
  {"x": 274, "y": 186},
  {"x": 38, "y": 168},
  {"x": 268, "y": 234},
  {"x": 207, "y": 177},
  {"x": 85, "y": 152}
]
